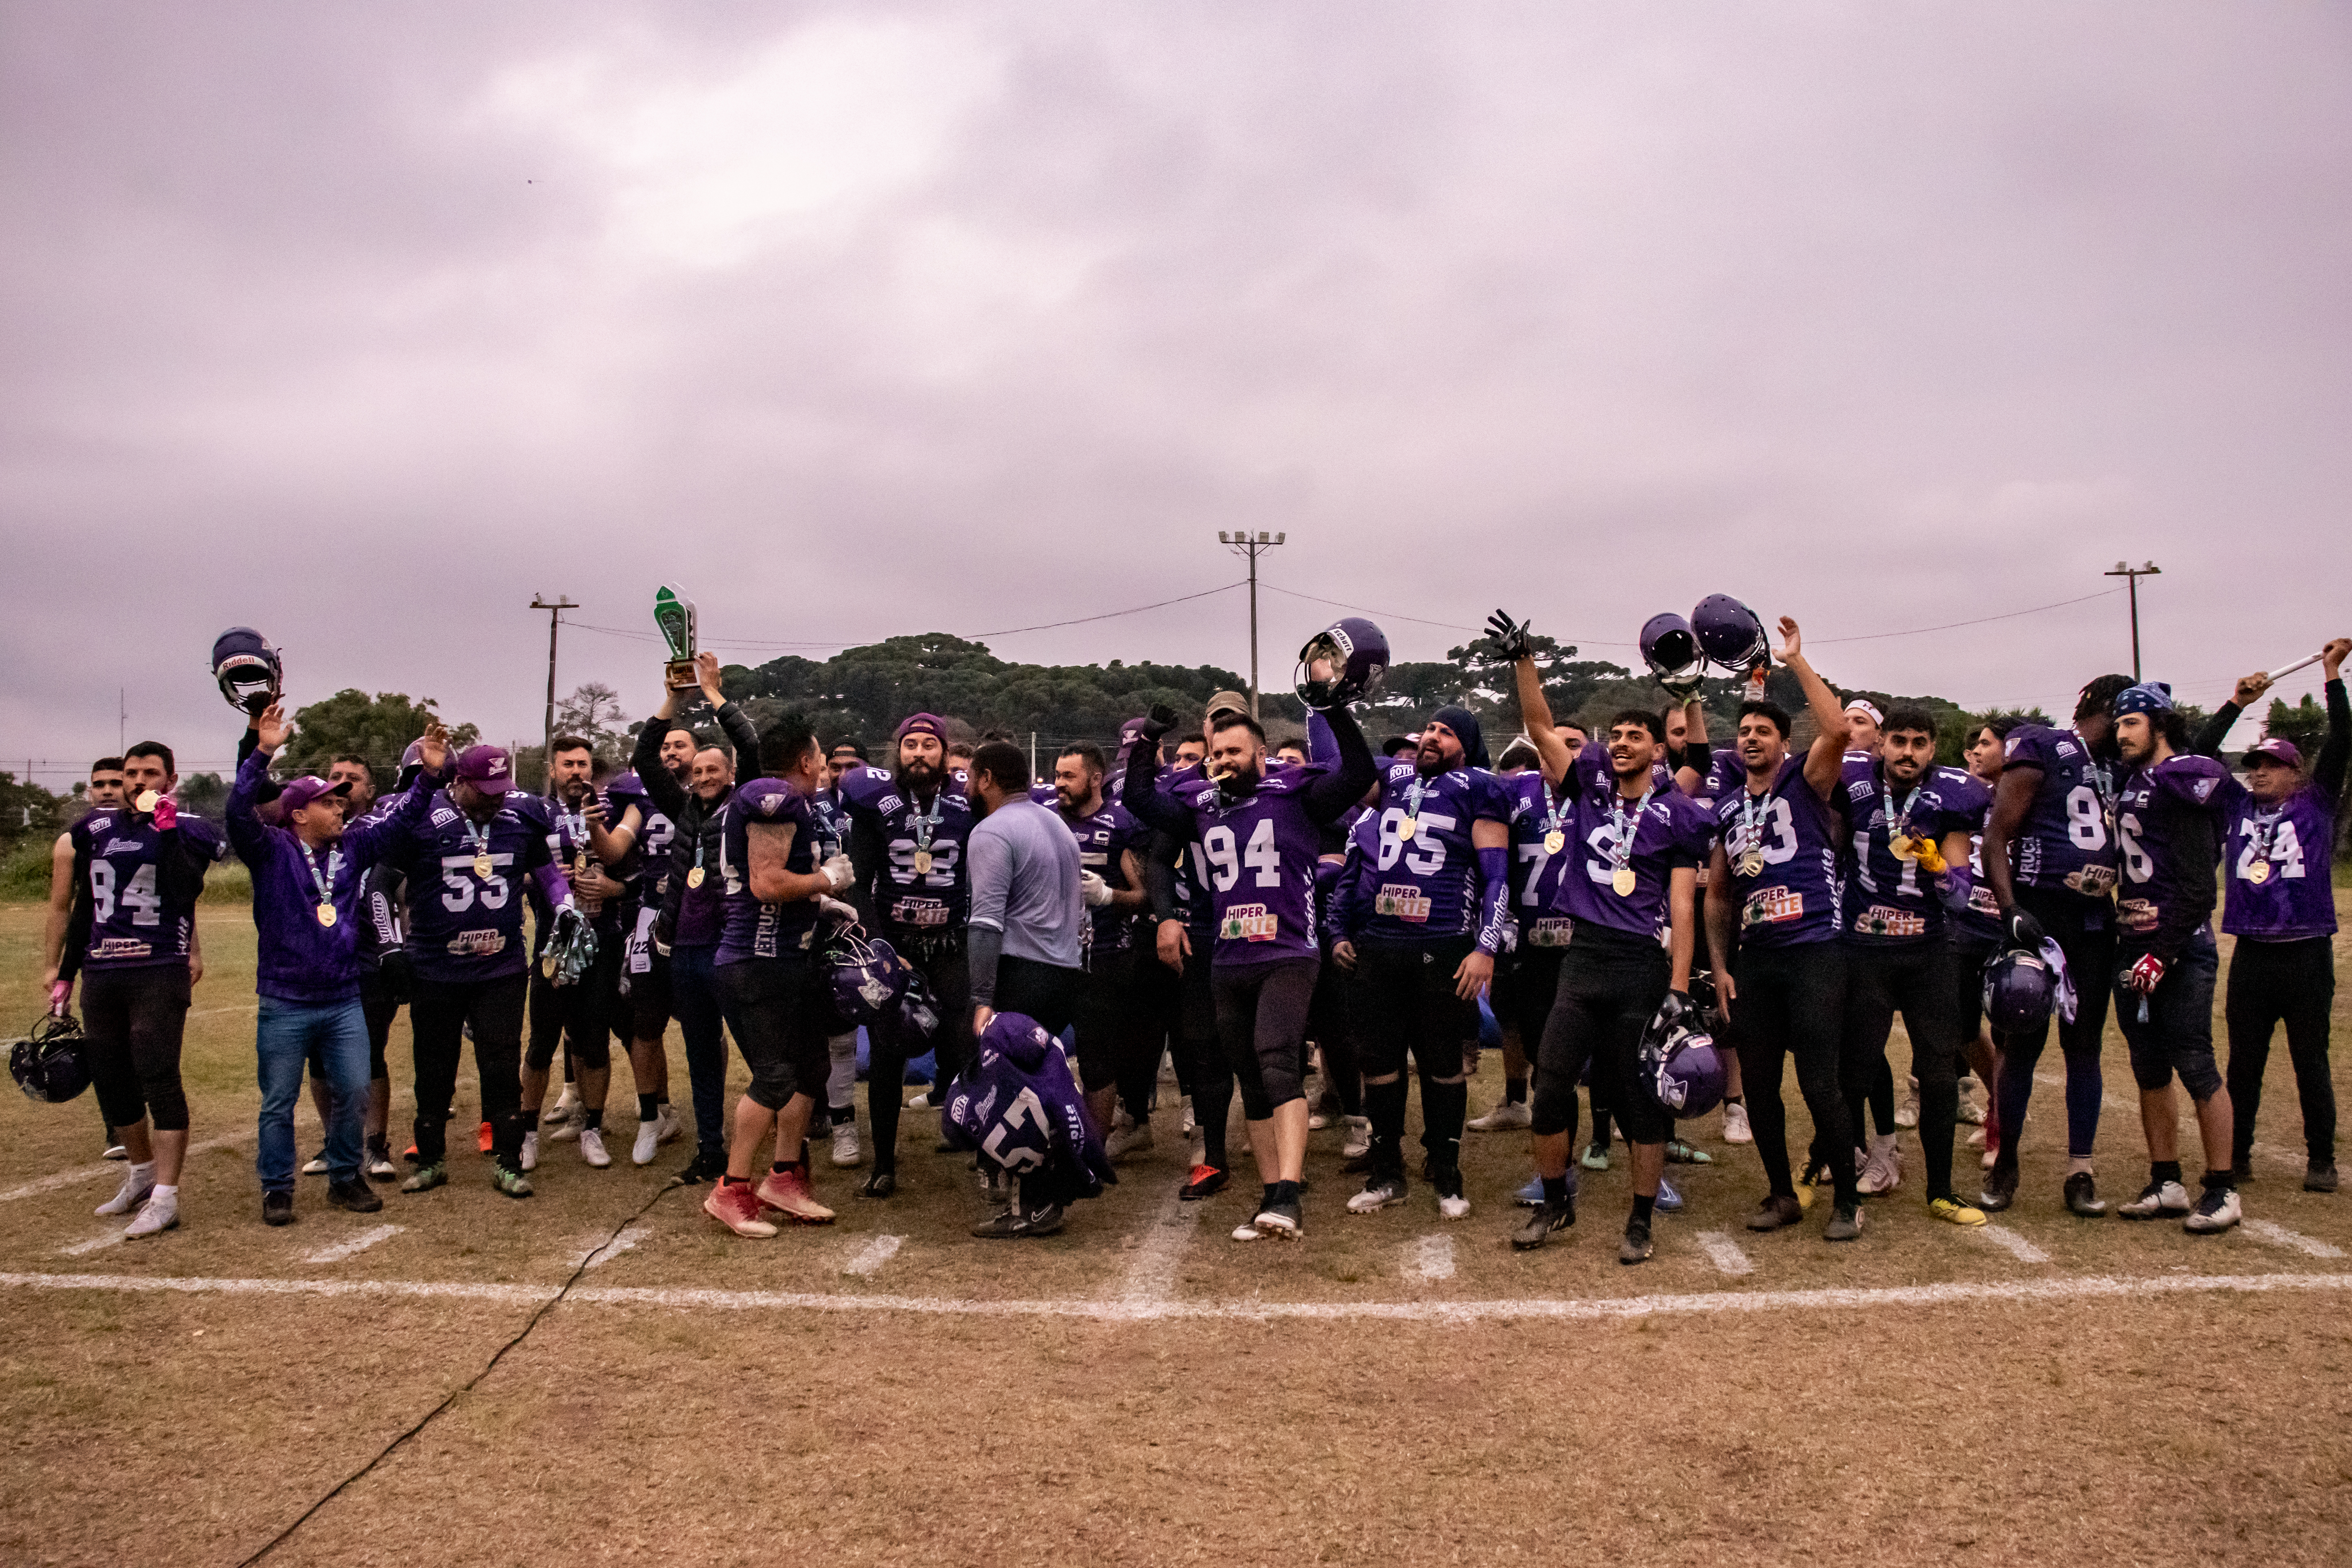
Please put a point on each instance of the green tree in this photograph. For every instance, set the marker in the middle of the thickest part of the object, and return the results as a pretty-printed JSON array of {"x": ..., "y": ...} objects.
[
  {"x": 378, "y": 728},
  {"x": 2305, "y": 724}
]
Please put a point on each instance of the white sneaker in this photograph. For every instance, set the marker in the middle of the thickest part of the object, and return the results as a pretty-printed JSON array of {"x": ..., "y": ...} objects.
[
  {"x": 2162, "y": 1199},
  {"x": 1908, "y": 1113},
  {"x": 380, "y": 1166},
  {"x": 2214, "y": 1213},
  {"x": 1970, "y": 1111},
  {"x": 137, "y": 1182},
  {"x": 566, "y": 1104},
  {"x": 920, "y": 1101},
  {"x": 592, "y": 1147},
  {"x": 1128, "y": 1137},
  {"x": 648, "y": 1143},
  {"x": 317, "y": 1164},
  {"x": 1456, "y": 1208},
  {"x": 567, "y": 1129},
  {"x": 1317, "y": 1122},
  {"x": 1976, "y": 1139},
  {"x": 1190, "y": 1126},
  {"x": 846, "y": 1151},
  {"x": 159, "y": 1213},
  {"x": 1508, "y": 1117},
  {"x": 1360, "y": 1136},
  {"x": 1882, "y": 1167},
  {"x": 530, "y": 1150},
  {"x": 1246, "y": 1231},
  {"x": 1735, "y": 1125}
]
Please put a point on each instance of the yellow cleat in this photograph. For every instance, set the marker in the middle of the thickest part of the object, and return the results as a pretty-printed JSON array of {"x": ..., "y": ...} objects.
[{"x": 1954, "y": 1212}]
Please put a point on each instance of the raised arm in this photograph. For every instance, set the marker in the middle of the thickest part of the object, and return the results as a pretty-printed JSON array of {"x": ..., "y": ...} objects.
[
  {"x": 1329, "y": 797},
  {"x": 1535, "y": 709},
  {"x": 2335, "y": 752},
  {"x": 1826, "y": 758},
  {"x": 1690, "y": 773},
  {"x": 1138, "y": 788}
]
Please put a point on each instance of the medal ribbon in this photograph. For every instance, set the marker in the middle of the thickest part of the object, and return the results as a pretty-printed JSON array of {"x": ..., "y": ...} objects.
[
  {"x": 923, "y": 822},
  {"x": 2265, "y": 830},
  {"x": 326, "y": 879},
  {"x": 1622, "y": 854},
  {"x": 1413, "y": 800},
  {"x": 1898, "y": 823},
  {"x": 1752, "y": 807}
]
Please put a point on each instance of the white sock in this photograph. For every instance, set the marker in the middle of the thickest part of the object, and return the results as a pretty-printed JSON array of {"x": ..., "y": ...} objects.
[{"x": 164, "y": 1195}]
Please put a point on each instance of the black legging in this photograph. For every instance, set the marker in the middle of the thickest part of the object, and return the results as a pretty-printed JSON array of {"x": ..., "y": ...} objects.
[
  {"x": 1331, "y": 1026},
  {"x": 2292, "y": 983},
  {"x": 1916, "y": 980},
  {"x": 1262, "y": 1019},
  {"x": 945, "y": 968},
  {"x": 1405, "y": 991},
  {"x": 1209, "y": 1071},
  {"x": 437, "y": 1015},
  {"x": 2085, "y": 931},
  {"x": 1790, "y": 1001},
  {"x": 1608, "y": 990}
]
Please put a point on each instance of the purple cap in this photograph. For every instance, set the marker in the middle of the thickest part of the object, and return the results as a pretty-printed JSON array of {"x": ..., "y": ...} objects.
[
  {"x": 2275, "y": 750},
  {"x": 929, "y": 724},
  {"x": 486, "y": 768},
  {"x": 309, "y": 788}
]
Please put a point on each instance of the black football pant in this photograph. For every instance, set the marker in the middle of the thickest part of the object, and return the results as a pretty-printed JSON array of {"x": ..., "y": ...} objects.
[
  {"x": 941, "y": 961},
  {"x": 2085, "y": 931},
  {"x": 1915, "y": 980},
  {"x": 1790, "y": 1001},
  {"x": 1209, "y": 1072},
  {"x": 1117, "y": 1042},
  {"x": 438, "y": 1012},
  {"x": 2274, "y": 982},
  {"x": 1405, "y": 994},
  {"x": 134, "y": 1020},
  {"x": 1331, "y": 1024},
  {"x": 580, "y": 1016},
  {"x": 1607, "y": 992},
  {"x": 1261, "y": 1018}
]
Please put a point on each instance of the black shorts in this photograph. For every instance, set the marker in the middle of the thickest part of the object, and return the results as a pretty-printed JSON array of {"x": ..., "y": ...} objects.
[
  {"x": 135, "y": 1019},
  {"x": 648, "y": 1010},
  {"x": 1406, "y": 1004},
  {"x": 786, "y": 1021},
  {"x": 1526, "y": 983},
  {"x": 1046, "y": 993}
]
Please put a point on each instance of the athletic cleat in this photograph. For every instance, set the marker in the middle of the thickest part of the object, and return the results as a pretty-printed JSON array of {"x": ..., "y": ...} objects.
[
  {"x": 1205, "y": 1181},
  {"x": 1316, "y": 1121},
  {"x": 1015, "y": 1226},
  {"x": 1246, "y": 1231},
  {"x": 1380, "y": 1193},
  {"x": 1541, "y": 1225},
  {"x": 920, "y": 1101},
  {"x": 1999, "y": 1188},
  {"x": 1845, "y": 1223},
  {"x": 1129, "y": 1137},
  {"x": 1451, "y": 1204},
  {"x": 129, "y": 1195},
  {"x": 1681, "y": 1152},
  {"x": 666, "y": 1120},
  {"x": 115, "y": 1151},
  {"x": 277, "y": 1208},
  {"x": 1280, "y": 1220},
  {"x": 1977, "y": 1139},
  {"x": 354, "y": 1194},
  {"x": 566, "y": 1130},
  {"x": 736, "y": 1206},
  {"x": 378, "y": 1163},
  {"x": 2319, "y": 1178},
  {"x": 1359, "y": 1140},
  {"x": 846, "y": 1153},
  {"x": 1735, "y": 1125},
  {"x": 1510, "y": 1116},
  {"x": 1908, "y": 1113},
  {"x": 1595, "y": 1157},
  {"x": 566, "y": 1104},
  {"x": 880, "y": 1184},
  {"x": 1636, "y": 1247},
  {"x": 158, "y": 1215},
  {"x": 426, "y": 1177},
  {"x": 486, "y": 1142},
  {"x": 647, "y": 1143},
  {"x": 787, "y": 1192},
  {"x": 1951, "y": 1211},
  {"x": 316, "y": 1166},
  {"x": 530, "y": 1155},
  {"x": 1669, "y": 1201},
  {"x": 514, "y": 1184},
  {"x": 705, "y": 1166},
  {"x": 2158, "y": 1200},
  {"x": 2217, "y": 1210},
  {"x": 1882, "y": 1166},
  {"x": 1776, "y": 1213},
  {"x": 1531, "y": 1195},
  {"x": 2083, "y": 1196},
  {"x": 1970, "y": 1111},
  {"x": 592, "y": 1147}
]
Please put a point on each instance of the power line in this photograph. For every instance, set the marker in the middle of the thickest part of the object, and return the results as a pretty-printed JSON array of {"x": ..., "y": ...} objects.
[
  {"x": 968, "y": 636},
  {"x": 1980, "y": 620}
]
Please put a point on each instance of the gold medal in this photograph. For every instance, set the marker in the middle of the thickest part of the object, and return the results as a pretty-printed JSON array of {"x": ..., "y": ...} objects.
[
  {"x": 482, "y": 867},
  {"x": 146, "y": 801},
  {"x": 580, "y": 864},
  {"x": 694, "y": 878},
  {"x": 1751, "y": 863},
  {"x": 2259, "y": 871},
  {"x": 1901, "y": 847},
  {"x": 326, "y": 914},
  {"x": 1408, "y": 826},
  {"x": 1555, "y": 841},
  {"x": 922, "y": 862},
  {"x": 1623, "y": 881}
]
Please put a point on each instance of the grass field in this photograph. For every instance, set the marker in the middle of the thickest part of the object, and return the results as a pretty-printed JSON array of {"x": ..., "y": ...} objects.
[{"x": 1139, "y": 1389}]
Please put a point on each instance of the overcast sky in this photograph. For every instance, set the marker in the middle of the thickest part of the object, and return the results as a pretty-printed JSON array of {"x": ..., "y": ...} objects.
[{"x": 363, "y": 324}]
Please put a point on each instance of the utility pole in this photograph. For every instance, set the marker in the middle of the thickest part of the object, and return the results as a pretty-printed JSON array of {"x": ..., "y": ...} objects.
[
  {"x": 555, "y": 609},
  {"x": 2133, "y": 574},
  {"x": 121, "y": 719},
  {"x": 1251, "y": 545}
]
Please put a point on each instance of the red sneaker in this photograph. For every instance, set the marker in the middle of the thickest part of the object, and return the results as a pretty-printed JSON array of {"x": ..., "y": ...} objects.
[
  {"x": 1206, "y": 1181},
  {"x": 788, "y": 1192},
  {"x": 736, "y": 1206},
  {"x": 486, "y": 1138}
]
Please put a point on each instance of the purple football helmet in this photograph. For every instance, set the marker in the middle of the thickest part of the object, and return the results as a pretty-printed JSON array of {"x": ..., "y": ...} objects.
[
  {"x": 51, "y": 1064},
  {"x": 919, "y": 1012},
  {"x": 2019, "y": 991},
  {"x": 247, "y": 670},
  {"x": 1681, "y": 1069},
  {"x": 1019, "y": 1038},
  {"x": 1670, "y": 649},
  {"x": 865, "y": 978},
  {"x": 1729, "y": 633},
  {"x": 1358, "y": 651}
]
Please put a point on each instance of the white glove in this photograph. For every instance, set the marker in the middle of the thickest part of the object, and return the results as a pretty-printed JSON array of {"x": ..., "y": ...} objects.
[
  {"x": 835, "y": 910},
  {"x": 1093, "y": 889},
  {"x": 837, "y": 873}
]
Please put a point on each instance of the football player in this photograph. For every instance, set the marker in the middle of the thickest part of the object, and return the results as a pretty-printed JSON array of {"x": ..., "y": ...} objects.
[
  {"x": 2050, "y": 858},
  {"x": 2170, "y": 824},
  {"x": 104, "y": 794},
  {"x": 633, "y": 836},
  {"x": 773, "y": 880},
  {"x": 1912, "y": 823},
  {"x": 1426, "y": 951},
  {"x": 1183, "y": 914},
  {"x": 831, "y": 815},
  {"x": 1527, "y": 974},
  {"x": 1260, "y": 836},
  {"x": 1628, "y": 843},
  {"x": 131, "y": 937},
  {"x": 579, "y": 1013},
  {"x": 2281, "y": 909},
  {"x": 1114, "y": 1046},
  {"x": 1977, "y": 937},
  {"x": 1772, "y": 886},
  {"x": 1707, "y": 775},
  {"x": 1862, "y": 729}
]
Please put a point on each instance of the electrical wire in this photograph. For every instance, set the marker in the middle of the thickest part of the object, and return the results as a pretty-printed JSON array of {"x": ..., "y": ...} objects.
[{"x": 968, "y": 636}]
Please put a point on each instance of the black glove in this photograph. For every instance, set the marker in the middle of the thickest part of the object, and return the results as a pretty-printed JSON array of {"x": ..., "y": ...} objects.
[
  {"x": 398, "y": 975},
  {"x": 1510, "y": 637},
  {"x": 1159, "y": 722},
  {"x": 2022, "y": 930}
]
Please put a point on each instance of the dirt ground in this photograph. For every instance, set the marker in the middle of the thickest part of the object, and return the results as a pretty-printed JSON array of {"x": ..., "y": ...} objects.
[{"x": 1141, "y": 1389}]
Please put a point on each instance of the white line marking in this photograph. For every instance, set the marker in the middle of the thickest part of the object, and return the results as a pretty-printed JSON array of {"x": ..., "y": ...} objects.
[
  {"x": 2277, "y": 1235},
  {"x": 2008, "y": 1241},
  {"x": 1151, "y": 1280},
  {"x": 2081, "y": 1288},
  {"x": 354, "y": 1246},
  {"x": 874, "y": 1255},
  {"x": 82, "y": 1249},
  {"x": 81, "y": 1173},
  {"x": 1724, "y": 1253},
  {"x": 629, "y": 1237},
  {"x": 1431, "y": 1257}
]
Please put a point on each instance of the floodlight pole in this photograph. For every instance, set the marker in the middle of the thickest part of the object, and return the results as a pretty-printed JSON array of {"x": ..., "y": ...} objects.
[
  {"x": 2132, "y": 575},
  {"x": 554, "y": 608},
  {"x": 1251, "y": 545}
]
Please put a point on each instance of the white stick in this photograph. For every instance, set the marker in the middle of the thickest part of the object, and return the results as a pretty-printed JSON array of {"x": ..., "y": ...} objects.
[{"x": 2307, "y": 659}]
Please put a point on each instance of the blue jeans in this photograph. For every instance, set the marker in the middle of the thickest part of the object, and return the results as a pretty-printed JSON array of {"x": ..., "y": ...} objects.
[
  {"x": 288, "y": 1034},
  {"x": 693, "y": 1002}
]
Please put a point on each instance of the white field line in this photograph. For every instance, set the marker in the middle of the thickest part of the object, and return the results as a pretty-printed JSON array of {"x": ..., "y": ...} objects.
[
  {"x": 1429, "y": 1257},
  {"x": 874, "y": 1255},
  {"x": 603, "y": 1253},
  {"x": 1150, "y": 1282},
  {"x": 81, "y": 1173},
  {"x": 354, "y": 1246},
  {"x": 1724, "y": 1253},
  {"x": 2016, "y": 1245},
  {"x": 1700, "y": 1303},
  {"x": 252, "y": 1007},
  {"x": 2112, "y": 1105},
  {"x": 2277, "y": 1235},
  {"x": 83, "y": 1248}
]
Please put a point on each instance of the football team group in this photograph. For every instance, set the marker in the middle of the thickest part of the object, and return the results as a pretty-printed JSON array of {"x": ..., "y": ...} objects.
[{"x": 1640, "y": 910}]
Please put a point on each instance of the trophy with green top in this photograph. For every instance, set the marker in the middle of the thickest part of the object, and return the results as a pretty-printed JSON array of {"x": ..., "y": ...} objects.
[{"x": 674, "y": 613}]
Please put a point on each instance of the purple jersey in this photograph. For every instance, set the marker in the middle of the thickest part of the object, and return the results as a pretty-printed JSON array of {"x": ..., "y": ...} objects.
[
  {"x": 923, "y": 886},
  {"x": 141, "y": 912},
  {"x": 464, "y": 924},
  {"x": 2067, "y": 840},
  {"x": 1668, "y": 829},
  {"x": 1782, "y": 846},
  {"x": 1892, "y": 902},
  {"x": 2292, "y": 896},
  {"x": 1259, "y": 855},
  {"x": 647, "y": 867},
  {"x": 1104, "y": 838},
  {"x": 1425, "y": 875},
  {"x": 750, "y": 929},
  {"x": 1969, "y": 798},
  {"x": 1538, "y": 812},
  {"x": 2169, "y": 825},
  {"x": 1724, "y": 773}
]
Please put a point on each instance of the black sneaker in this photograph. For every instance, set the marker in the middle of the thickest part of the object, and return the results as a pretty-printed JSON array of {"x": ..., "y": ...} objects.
[
  {"x": 354, "y": 1194},
  {"x": 1845, "y": 1224},
  {"x": 701, "y": 1168},
  {"x": 2319, "y": 1178},
  {"x": 277, "y": 1208},
  {"x": 1015, "y": 1226},
  {"x": 880, "y": 1184},
  {"x": 2083, "y": 1196},
  {"x": 2000, "y": 1187},
  {"x": 1541, "y": 1222},
  {"x": 1636, "y": 1249}
]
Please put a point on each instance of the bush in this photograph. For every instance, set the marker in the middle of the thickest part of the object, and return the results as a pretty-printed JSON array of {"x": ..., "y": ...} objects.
[{"x": 24, "y": 877}]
